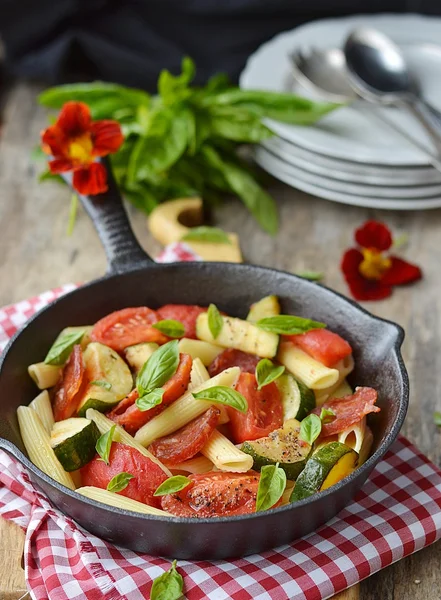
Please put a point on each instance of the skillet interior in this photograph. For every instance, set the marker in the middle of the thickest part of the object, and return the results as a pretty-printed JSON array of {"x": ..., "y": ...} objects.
[{"x": 232, "y": 287}]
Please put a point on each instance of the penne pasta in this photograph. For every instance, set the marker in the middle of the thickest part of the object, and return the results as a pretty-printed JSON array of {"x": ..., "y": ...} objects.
[
  {"x": 224, "y": 454},
  {"x": 183, "y": 410},
  {"x": 366, "y": 446},
  {"x": 344, "y": 389},
  {"x": 344, "y": 367},
  {"x": 45, "y": 376},
  {"x": 42, "y": 406},
  {"x": 118, "y": 501},
  {"x": 287, "y": 493},
  {"x": 205, "y": 351},
  {"x": 104, "y": 424},
  {"x": 310, "y": 372},
  {"x": 38, "y": 445},
  {"x": 353, "y": 436},
  {"x": 198, "y": 464},
  {"x": 198, "y": 374}
]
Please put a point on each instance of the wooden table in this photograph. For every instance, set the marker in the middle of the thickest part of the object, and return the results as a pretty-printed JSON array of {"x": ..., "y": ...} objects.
[{"x": 36, "y": 255}]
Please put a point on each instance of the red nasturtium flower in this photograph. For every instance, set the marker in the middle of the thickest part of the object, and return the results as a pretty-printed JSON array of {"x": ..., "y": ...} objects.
[
  {"x": 75, "y": 142},
  {"x": 370, "y": 270}
]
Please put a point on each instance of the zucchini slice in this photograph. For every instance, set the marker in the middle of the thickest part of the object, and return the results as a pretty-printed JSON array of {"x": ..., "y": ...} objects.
[
  {"x": 139, "y": 354},
  {"x": 282, "y": 446},
  {"x": 326, "y": 467},
  {"x": 297, "y": 399},
  {"x": 205, "y": 351},
  {"x": 73, "y": 441},
  {"x": 239, "y": 334},
  {"x": 105, "y": 366},
  {"x": 267, "y": 307}
]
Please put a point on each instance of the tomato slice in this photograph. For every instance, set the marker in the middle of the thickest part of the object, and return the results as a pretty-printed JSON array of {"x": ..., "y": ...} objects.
[
  {"x": 264, "y": 414},
  {"x": 128, "y": 415},
  {"x": 185, "y": 313},
  {"x": 349, "y": 410},
  {"x": 68, "y": 389},
  {"x": 127, "y": 327},
  {"x": 147, "y": 474},
  {"x": 325, "y": 346},
  {"x": 187, "y": 441},
  {"x": 215, "y": 495},
  {"x": 233, "y": 358}
]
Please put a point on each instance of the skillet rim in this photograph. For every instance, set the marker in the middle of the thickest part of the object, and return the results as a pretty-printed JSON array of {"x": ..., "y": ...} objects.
[{"x": 357, "y": 473}]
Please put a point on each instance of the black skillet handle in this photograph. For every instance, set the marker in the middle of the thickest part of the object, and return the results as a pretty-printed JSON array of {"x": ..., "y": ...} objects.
[{"x": 110, "y": 219}]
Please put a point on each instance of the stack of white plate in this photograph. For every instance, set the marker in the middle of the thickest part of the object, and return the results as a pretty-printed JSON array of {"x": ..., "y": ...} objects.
[{"x": 352, "y": 155}]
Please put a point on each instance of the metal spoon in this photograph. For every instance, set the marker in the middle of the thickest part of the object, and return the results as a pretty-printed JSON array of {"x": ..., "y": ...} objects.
[{"x": 378, "y": 72}]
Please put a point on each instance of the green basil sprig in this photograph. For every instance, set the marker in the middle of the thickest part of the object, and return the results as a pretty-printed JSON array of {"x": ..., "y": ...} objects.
[
  {"x": 327, "y": 415},
  {"x": 62, "y": 347},
  {"x": 437, "y": 418},
  {"x": 104, "y": 444},
  {"x": 310, "y": 428},
  {"x": 267, "y": 372},
  {"x": 102, "y": 383},
  {"x": 215, "y": 321},
  {"x": 158, "y": 369},
  {"x": 172, "y": 485},
  {"x": 311, "y": 275},
  {"x": 170, "y": 328},
  {"x": 168, "y": 586},
  {"x": 150, "y": 400},
  {"x": 206, "y": 234},
  {"x": 288, "y": 324},
  {"x": 272, "y": 484},
  {"x": 223, "y": 395},
  {"x": 119, "y": 482}
]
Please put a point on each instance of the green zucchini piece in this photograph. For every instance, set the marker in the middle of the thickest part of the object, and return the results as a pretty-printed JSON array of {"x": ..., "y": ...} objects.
[
  {"x": 139, "y": 354},
  {"x": 282, "y": 446},
  {"x": 297, "y": 399},
  {"x": 266, "y": 307},
  {"x": 73, "y": 441}
]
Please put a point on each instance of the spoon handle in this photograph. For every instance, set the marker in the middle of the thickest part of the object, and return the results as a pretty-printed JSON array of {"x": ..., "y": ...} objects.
[{"x": 428, "y": 118}]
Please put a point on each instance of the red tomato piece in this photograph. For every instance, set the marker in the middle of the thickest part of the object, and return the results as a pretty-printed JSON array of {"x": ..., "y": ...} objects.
[
  {"x": 215, "y": 495},
  {"x": 233, "y": 358},
  {"x": 186, "y": 314},
  {"x": 127, "y": 327},
  {"x": 349, "y": 410},
  {"x": 323, "y": 345},
  {"x": 147, "y": 474},
  {"x": 187, "y": 441},
  {"x": 264, "y": 414},
  {"x": 128, "y": 415},
  {"x": 68, "y": 389}
]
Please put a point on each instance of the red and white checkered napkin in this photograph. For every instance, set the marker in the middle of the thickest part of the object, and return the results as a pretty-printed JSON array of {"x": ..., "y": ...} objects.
[{"x": 397, "y": 512}]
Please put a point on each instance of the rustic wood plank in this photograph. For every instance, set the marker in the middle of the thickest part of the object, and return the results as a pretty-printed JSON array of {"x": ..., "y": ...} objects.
[
  {"x": 37, "y": 255},
  {"x": 12, "y": 579}
]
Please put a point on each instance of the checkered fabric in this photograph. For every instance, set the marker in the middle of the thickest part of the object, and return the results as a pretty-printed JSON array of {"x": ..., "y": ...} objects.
[{"x": 397, "y": 512}]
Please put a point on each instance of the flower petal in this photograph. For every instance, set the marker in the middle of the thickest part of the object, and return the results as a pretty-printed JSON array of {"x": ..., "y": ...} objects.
[
  {"x": 361, "y": 288},
  {"x": 60, "y": 165},
  {"x": 106, "y": 136},
  {"x": 374, "y": 234},
  {"x": 74, "y": 119},
  {"x": 54, "y": 139},
  {"x": 401, "y": 272},
  {"x": 91, "y": 180}
]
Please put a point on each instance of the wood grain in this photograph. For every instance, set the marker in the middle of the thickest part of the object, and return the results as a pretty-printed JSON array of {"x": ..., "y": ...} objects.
[
  {"x": 37, "y": 255},
  {"x": 12, "y": 579}
]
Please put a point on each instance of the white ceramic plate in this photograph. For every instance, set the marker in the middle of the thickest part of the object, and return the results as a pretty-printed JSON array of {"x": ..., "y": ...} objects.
[
  {"x": 347, "y": 133},
  {"x": 326, "y": 188}
]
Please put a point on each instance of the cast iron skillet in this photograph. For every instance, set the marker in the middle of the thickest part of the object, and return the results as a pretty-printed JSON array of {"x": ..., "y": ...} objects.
[{"x": 134, "y": 279}]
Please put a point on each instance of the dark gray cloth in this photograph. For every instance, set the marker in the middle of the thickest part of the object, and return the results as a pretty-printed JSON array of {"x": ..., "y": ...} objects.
[{"x": 129, "y": 41}]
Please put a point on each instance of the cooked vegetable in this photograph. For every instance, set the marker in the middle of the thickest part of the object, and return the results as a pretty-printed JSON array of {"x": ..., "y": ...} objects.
[
  {"x": 327, "y": 466},
  {"x": 282, "y": 446},
  {"x": 185, "y": 314},
  {"x": 139, "y": 354},
  {"x": 73, "y": 441},
  {"x": 198, "y": 349},
  {"x": 67, "y": 393},
  {"x": 297, "y": 399},
  {"x": 233, "y": 358},
  {"x": 323, "y": 345},
  {"x": 266, "y": 307}
]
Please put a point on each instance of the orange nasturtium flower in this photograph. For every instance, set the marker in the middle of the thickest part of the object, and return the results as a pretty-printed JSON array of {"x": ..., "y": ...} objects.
[{"x": 75, "y": 142}]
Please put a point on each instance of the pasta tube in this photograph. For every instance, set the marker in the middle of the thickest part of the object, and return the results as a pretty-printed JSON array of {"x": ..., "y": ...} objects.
[
  {"x": 198, "y": 375},
  {"x": 198, "y": 464},
  {"x": 38, "y": 445},
  {"x": 183, "y": 410},
  {"x": 45, "y": 376},
  {"x": 287, "y": 493},
  {"x": 42, "y": 406},
  {"x": 224, "y": 454},
  {"x": 205, "y": 351},
  {"x": 118, "y": 501},
  {"x": 365, "y": 450},
  {"x": 344, "y": 389},
  {"x": 310, "y": 372},
  {"x": 344, "y": 367},
  {"x": 353, "y": 436},
  {"x": 120, "y": 435}
]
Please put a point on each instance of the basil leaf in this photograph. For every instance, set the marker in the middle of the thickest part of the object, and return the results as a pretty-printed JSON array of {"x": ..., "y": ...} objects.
[
  {"x": 172, "y": 485},
  {"x": 238, "y": 124},
  {"x": 267, "y": 372},
  {"x": 288, "y": 324},
  {"x": 119, "y": 482},
  {"x": 93, "y": 93},
  {"x": 168, "y": 586},
  {"x": 104, "y": 443},
  {"x": 102, "y": 383},
  {"x": 158, "y": 369},
  {"x": 437, "y": 418},
  {"x": 311, "y": 275},
  {"x": 310, "y": 428},
  {"x": 73, "y": 209},
  {"x": 207, "y": 234},
  {"x": 271, "y": 486},
  {"x": 62, "y": 347},
  {"x": 150, "y": 400},
  {"x": 223, "y": 395},
  {"x": 170, "y": 327},
  {"x": 327, "y": 415},
  {"x": 215, "y": 321}
]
